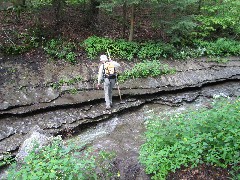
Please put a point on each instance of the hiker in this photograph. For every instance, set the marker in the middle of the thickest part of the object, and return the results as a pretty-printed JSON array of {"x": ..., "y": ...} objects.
[{"x": 107, "y": 75}]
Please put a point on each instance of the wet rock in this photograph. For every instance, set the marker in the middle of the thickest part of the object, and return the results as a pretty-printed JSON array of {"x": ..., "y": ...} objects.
[
  {"x": 130, "y": 169},
  {"x": 35, "y": 137},
  {"x": 29, "y": 100}
]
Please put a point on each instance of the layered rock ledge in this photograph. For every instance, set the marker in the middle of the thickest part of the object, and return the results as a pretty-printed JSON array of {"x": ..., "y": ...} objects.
[{"x": 27, "y": 97}]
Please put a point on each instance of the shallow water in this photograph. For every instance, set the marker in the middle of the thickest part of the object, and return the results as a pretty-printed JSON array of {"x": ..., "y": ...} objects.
[{"x": 124, "y": 134}]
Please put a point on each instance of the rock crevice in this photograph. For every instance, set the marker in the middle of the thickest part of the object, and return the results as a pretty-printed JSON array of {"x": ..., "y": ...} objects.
[{"x": 22, "y": 108}]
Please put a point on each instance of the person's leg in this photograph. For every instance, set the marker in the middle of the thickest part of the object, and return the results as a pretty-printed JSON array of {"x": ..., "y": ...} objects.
[
  {"x": 107, "y": 91},
  {"x": 112, "y": 84}
]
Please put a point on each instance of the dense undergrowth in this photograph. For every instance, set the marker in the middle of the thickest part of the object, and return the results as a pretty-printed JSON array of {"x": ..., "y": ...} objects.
[
  {"x": 151, "y": 50},
  {"x": 61, "y": 160},
  {"x": 149, "y": 53},
  {"x": 145, "y": 69},
  {"x": 60, "y": 49},
  {"x": 208, "y": 136}
]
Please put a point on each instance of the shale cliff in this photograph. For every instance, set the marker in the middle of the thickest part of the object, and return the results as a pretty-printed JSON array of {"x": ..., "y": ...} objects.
[{"x": 34, "y": 91}]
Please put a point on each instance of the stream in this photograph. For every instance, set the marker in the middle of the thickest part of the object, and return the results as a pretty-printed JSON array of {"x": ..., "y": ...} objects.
[
  {"x": 124, "y": 133},
  {"x": 27, "y": 100}
]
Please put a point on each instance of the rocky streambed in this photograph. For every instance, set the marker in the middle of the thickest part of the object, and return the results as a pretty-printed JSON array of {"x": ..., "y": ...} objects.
[
  {"x": 28, "y": 98},
  {"x": 123, "y": 133}
]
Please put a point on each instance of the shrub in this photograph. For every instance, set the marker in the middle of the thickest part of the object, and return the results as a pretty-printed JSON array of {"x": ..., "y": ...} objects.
[
  {"x": 152, "y": 50},
  {"x": 95, "y": 45},
  {"x": 23, "y": 42},
  {"x": 60, "y": 50},
  {"x": 221, "y": 47},
  {"x": 188, "y": 53},
  {"x": 124, "y": 49},
  {"x": 145, "y": 69},
  {"x": 120, "y": 48},
  {"x": 57, "y": 161},
  {"x": 68, "y": 82},
  {"x": 205, "y": 136}
]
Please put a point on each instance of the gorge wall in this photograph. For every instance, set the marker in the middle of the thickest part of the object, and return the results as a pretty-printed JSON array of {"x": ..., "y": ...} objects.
[{"x": 28, "y": 96}]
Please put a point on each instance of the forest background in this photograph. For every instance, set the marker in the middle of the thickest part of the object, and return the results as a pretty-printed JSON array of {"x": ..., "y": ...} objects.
[{"x": 129, "y": 29}]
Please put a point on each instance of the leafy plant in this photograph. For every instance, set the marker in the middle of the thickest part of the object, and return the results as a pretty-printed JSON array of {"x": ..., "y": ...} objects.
[
  {"x": 220, "y": 47},
  {"x": 124, "y": 49},
  {"x": 67, "y": 82},
  {"x": 61, "y": 161},
  {"x": 23, "y": 42},
  {"x": 188, "y": 53},
  {"x": 145, "y": 69},
  {"x": 95, "y": 45},
  {"x": 150, "y": 50},
  {"x": 218, "y": 18},
  {"x": 7, "y": 159},
  {"x": 205, "y": 136},
  {"x": 58, "y": 49},
  {"x": 156, "y": 50},
  {"x": 218, "y": 60}
]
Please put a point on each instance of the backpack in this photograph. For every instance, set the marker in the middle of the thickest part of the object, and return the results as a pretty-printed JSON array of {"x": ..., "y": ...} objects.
[{"x": 109, "y": 70}]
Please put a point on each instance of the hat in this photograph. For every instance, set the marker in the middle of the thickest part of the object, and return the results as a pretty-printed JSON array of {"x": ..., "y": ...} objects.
[{"x": 103, "y": 58}]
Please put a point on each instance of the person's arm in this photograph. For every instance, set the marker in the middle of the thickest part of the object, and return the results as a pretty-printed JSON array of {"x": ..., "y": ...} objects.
[{"x": 116, "y": 64}]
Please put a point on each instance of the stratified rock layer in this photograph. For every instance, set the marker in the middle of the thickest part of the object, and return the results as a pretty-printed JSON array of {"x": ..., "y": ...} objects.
[{"x": 28, "y": 97}]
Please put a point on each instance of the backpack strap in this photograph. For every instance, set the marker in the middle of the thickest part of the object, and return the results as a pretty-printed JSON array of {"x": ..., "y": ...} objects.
[{"x": 103, "y": 70}]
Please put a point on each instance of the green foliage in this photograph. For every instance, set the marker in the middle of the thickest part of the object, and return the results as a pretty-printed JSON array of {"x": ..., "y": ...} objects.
[
  {"x": 205, "y": 136},
  {"x": 38, "y": 4},
  {"x": 60, "y": 50},
  {"x": 124, "y": 49},
  {"x": 176, "y": 20},
  {"x": 7, "y": 159},
  {"x": 75, "y": 2},
  {"x": 60, "y": 161},
  {"x": 127, "y": 50},
  {"x": 67, "y": 82},
  {"x": 96, "y": 45},
  {"x": 221, "y": 47},
  {"x": 188, "y": 53},
  {"x": 218, "y": 18},
  {"x": 181, "y": 31},
  {"x": 145, "y": 69},
  {"x": 23, "y": 42},
  {"x": 154, "y": 51},
  {"x": 157, "y": 50}
]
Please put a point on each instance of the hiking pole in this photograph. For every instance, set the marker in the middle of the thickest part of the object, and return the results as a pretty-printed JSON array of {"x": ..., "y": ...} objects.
[
  {"x": 119, "y": 92},
  {"x": 108, "y": 54}
]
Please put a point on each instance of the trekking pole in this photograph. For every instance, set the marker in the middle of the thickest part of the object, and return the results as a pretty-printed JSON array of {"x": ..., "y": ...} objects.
[
  {"x": 119, "y": 92},
  {"x": 108, "y": 54}
]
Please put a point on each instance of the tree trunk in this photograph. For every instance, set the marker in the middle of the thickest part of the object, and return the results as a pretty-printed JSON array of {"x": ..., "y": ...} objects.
[
  {"x": 199, "y": 6},
  {"x": 58, "y": 8},
  {"x": 24, "y": 3},
  {"x": 92, "y": 13},
  {"x": 124, "y": 19},
  {"x": 132, "y": 24}
]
